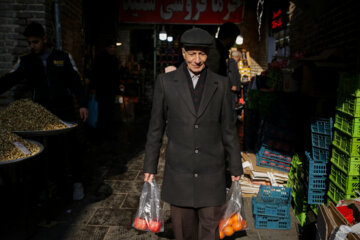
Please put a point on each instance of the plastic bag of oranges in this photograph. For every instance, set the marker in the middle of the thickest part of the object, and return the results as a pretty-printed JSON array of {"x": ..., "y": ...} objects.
[
  {"x": 233, "y": 218},
  {"x": 149, "y": 214}
]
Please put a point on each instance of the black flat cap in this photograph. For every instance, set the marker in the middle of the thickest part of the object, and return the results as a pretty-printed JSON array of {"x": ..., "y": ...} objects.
[{"x": 196, "y": 37}]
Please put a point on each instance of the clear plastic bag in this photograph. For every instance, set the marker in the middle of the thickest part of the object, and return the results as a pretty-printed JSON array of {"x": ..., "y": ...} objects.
[
  {"x": 233, "y": 219},
  {"x": 149, "y": 215}
]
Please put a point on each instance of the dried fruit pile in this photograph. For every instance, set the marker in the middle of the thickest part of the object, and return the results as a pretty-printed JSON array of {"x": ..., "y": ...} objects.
[
  {"x": 25, "y": 115},
  {"x": 14, "y": 147}
]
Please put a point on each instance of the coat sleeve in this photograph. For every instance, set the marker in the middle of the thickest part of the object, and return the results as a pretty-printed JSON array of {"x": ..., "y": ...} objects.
[
  {"x": 229, "y": 133},
  {"x": 156, "y": 128},
  {"x": 75, "y": 82},
  {"x": 13, "y": 77},
  {"x": 233, "y": 73}
]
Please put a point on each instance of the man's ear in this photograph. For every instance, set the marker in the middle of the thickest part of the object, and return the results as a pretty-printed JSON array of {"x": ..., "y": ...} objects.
[{"x": 183, "y": 52}]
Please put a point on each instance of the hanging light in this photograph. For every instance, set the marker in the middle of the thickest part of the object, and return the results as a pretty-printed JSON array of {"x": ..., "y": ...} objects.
[
  {"x": 170, "y": 38},
  {"x": 118, "y": 44},
  {"x": 217, "y": 32},
  {"x": 162, "y": 34},
  {"x": 239, "y": 40}
]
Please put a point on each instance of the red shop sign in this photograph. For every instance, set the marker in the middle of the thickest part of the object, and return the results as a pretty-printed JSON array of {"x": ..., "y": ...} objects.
[{"x": 182, "y": 11}]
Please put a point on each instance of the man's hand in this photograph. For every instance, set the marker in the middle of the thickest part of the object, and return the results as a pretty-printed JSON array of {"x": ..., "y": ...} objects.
[
  {"x": 148, "y": 177},
  {"x": 84, "y": 114},
  {"x": 235, "y": 178}
]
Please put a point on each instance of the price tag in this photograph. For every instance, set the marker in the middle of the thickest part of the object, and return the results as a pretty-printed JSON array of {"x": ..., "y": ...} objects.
[
  {"x": 66, "y": 124},
  {"x": 22, "y": 148}
]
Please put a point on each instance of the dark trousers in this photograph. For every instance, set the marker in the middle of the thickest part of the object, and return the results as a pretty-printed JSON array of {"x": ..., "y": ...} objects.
[{"x": 196, "y": 223}]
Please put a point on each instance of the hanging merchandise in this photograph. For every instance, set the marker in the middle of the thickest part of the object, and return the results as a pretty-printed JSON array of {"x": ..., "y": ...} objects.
[{"x": 259, "y": 13}]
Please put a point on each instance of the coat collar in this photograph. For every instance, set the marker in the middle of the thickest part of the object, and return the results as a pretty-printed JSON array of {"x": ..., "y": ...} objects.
[{"x": 210, "y": 87}]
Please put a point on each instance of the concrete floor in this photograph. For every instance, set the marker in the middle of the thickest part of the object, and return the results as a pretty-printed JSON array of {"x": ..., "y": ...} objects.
[{"x": 113, "y": 187}]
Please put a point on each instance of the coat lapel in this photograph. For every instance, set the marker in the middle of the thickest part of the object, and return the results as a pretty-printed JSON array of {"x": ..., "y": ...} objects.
[
  {"x": 209, "y": 89},
  {"x": 183, "y": 89}
]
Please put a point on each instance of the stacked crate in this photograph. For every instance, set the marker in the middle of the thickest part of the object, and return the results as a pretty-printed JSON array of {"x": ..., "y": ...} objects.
[
  {"x": 321, "y": 136},
  {"x": 267, "y": 157},
  {"x": 345, "y": 159},
  {"x": 271, "y": 208}
]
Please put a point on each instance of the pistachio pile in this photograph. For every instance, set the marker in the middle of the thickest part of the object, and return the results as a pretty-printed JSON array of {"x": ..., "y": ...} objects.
[
  {"x": 25, "y": 115},
  {"x": 13, "y": 147}
]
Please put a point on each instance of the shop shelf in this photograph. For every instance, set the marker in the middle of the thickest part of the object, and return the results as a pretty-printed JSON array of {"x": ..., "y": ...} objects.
[
  {"x": 320, "y": 154},
  {"x": 316, "y": 168},
  {"x": 347, "y": 144},
  {"x": 347, "y": 124},
  {"x": 349, "y": 83},
  {"x": 347, "y": 183},
  {"x": 336, "y": 194},
  {"x": 264, "y": 208},
  {"x": 322, "y": 126},
  {"x": 316, "y": 182},
  {"x": 266, "y": 222},
  {"x": 316, "y": 196},
  {"x": 349, "y": 165},
  {"x": 348, "y": 104},
  {"x": 321, "y": 140}
]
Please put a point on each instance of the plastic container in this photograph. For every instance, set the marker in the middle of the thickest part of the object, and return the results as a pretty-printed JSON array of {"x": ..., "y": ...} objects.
[
  {"x": 260, "y": 207},
  {"x": 336, "y": 194},
  {"x": 316, "y": 168},
  {"x": 347, "y": 124},
  {"x": 349, "y": 165},
  {"x": 348, "y": 104},
  {"x": 267, "y": 152},
  {"x": 316, "y": 196},
  {"x": 349, "y": 83},
  {"x": 347, "y": 183},
  {"x": 321, "y": 141},
  {"x": 316, "y": 182},
  {"x": 347, "y": 144},
  {"x": 266, "y": 162},
  {"x": 267, "y": 222},
  {"x": 320, "y": 154},
  {"x": 322, "y": 126}
]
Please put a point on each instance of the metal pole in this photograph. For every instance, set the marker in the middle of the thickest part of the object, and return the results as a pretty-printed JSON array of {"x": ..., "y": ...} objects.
[{"x": 57, "y": 25}]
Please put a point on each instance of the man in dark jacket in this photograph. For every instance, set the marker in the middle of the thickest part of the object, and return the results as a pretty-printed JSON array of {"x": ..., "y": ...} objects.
[
  {"x": 51, "y": 77},
  {"x": 219, "y": 50},
  {"x": 106, "y": 83},
  {"x": 196, "y": 104}
]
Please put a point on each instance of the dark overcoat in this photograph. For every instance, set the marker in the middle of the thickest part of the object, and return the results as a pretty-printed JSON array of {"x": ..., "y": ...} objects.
[{"x": 197, "y": 141}]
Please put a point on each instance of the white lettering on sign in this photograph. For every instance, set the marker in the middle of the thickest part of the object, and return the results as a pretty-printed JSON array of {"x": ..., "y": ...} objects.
[
  {"x": 201, "y": 7},
  {"x": 142, "y": 5},
  {"x": 22, "y": 148},
  {"x": 231, "y": 7},
  {"x": 217, "y": 5},
  {"x": 188, "y": 9},
  {"x": 178, "y": 6}
]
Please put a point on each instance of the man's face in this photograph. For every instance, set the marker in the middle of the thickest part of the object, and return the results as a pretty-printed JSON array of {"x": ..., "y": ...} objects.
[
  {"x": 195, "y": 58},
  {"x": 111, "y": 50},
  {"x": 37, "y": 44}
]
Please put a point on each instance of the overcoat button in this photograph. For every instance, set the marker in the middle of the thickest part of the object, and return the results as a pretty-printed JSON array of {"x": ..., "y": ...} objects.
[
  {"x": 196, "y": 175},
  {"x": 196, "y": 126},
  {"x": 196, "y": 150}
]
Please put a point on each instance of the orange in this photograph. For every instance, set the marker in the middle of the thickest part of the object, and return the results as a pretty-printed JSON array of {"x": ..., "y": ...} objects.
[
  {"x": 235, "y": 218},
  {"x": 222, "y": 234},
  {"x": 228, "y": 231},
  {"x": 237, "y": 226},
  {"x": 221, "y": 224},
  {"x": 228, "y": 222},
  {"x": 244, "y": 223}
]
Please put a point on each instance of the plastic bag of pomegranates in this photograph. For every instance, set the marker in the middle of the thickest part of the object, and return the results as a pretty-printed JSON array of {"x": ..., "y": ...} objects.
[
  {"x": 149, "y": 215},
  {"x": 233, "y": 219}
]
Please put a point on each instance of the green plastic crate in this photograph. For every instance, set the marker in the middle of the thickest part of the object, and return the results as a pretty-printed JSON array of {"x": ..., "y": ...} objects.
[
  {"x": 347, "y": 124},
  {"x": 347, "y": 144},
  {"x": 349, "y": 165},
  {"x": 348, "y": 104},
  {"x": 349, "y": 83},
  {"x": 348, "y": 184},
  {"x": 336, "y": 194}
]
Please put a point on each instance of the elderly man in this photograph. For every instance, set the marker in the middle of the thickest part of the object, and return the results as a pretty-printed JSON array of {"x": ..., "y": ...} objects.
[{"x": 196, "y": 104}]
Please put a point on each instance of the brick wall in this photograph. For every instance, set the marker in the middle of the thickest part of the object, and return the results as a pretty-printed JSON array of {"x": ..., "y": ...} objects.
[
  {"x": 316, "y": 27},
  {"x": 72, "y": 30}
]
